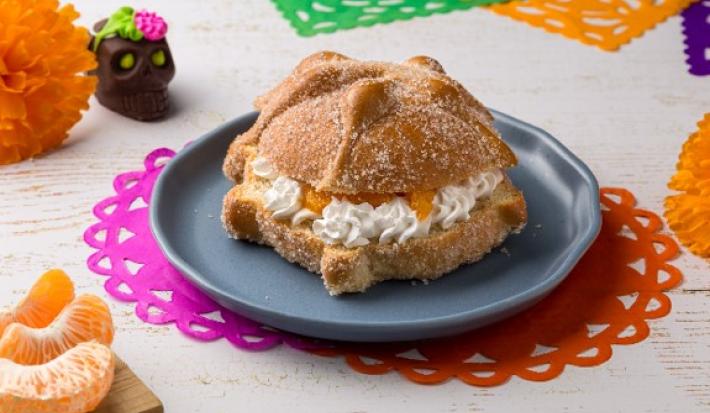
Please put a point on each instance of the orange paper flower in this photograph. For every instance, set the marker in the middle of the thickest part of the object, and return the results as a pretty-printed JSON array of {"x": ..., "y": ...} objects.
[
  {"x": 688, "y": 214},
  {"x": 42, "y": 86}
]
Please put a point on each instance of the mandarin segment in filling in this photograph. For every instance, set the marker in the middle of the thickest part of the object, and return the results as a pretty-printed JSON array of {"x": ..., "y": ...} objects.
[
  {"x": 420, "y": 154},
  {"x": 421, "y": 202},
  {"x": 356, "y": 219},
  {"x": 314, "y": 200}
]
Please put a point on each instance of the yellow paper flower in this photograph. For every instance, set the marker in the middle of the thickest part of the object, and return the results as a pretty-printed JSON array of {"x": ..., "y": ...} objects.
[
  {"x": 688, "y": 214},
  {"x": 42, "y": 86}
]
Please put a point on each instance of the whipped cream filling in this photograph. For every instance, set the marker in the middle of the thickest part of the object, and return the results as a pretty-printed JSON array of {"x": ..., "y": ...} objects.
[
  {"x": 262, "y": 168},
  {"x": 353, "y": 225},
  {"x": 283, "y": 198},
  {"x": 453, "y": 203},
  {"x": 346, "y": 223},
  {"x": 399, "y": 222}
]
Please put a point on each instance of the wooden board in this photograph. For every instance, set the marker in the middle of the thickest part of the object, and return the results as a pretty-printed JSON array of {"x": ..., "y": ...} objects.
[{"x": 129, "y": 394}]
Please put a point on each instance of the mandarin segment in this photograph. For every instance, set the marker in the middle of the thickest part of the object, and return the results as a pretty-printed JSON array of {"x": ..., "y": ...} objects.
[
  {"x": 367, "y": 197},
  {"x": 6, "y": 319},
  {"x": 74, "y": 382},
  {"x": 86, "y": 319},
  {"x": 315, "y": 200},
  {"x": 49, "y": 295},
  {"x": 422, "y": 202}
]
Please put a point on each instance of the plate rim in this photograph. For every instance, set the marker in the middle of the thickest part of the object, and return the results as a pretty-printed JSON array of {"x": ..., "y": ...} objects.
[{"x": 260, "y": 312}]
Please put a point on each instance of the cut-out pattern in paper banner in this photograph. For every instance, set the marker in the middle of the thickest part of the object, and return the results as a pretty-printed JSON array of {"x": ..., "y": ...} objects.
[
  {"x": 311, "y": 17},
  {"x": 696, "y": 27},
  {"x": 688, "y": 213},
  {"x": 138, "y": 272},
  {"x": 607, "y": 299},
  {"x": 607, "y": 24}
]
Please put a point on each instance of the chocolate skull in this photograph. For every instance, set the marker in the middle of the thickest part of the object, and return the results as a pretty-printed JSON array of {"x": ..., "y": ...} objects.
[{"x": 134, "y": 76}]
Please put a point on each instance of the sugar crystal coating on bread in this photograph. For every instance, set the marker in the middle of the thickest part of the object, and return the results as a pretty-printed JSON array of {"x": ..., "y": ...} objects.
[
  {"x": 346, "y": 126},
  {"x": 351, "y": 130}
]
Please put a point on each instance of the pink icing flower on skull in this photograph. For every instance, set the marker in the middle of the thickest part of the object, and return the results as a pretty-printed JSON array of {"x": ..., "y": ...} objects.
[{"x": 151, "y": 25}]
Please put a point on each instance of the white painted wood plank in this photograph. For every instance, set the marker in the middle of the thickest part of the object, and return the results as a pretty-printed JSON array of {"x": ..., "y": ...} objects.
[{"x": 624, "y": 113}]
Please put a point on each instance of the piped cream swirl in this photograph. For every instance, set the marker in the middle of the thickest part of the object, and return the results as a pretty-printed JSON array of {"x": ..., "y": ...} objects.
[
  {"x": 353, "y": 225},
  {"x": 398, "y": 222},
  {"x": 346, "y": 223},
  {"x": 263, "y": 169},
  {"x": 453, "y": 203},
  {"x": 283, "y": 198}
]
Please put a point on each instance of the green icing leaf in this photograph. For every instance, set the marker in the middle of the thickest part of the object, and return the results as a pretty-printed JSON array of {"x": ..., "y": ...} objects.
[
  {"x": 121, "y": 23},
  {"x": 311, "y": 17}
]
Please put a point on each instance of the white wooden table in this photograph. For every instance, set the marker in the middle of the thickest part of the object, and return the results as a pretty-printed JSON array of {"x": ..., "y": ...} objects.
[{"x": 626, "y": 114}]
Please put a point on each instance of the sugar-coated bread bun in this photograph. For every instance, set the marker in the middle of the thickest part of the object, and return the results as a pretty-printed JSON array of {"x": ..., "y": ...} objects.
[{"x": 347, "y": 126}]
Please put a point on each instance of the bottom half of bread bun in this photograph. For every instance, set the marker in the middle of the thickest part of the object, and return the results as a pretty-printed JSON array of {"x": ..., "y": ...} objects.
[{"x": 349, "y": 270}]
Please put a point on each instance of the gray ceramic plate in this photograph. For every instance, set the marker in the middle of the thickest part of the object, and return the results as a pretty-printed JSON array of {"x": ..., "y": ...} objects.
[{"x": 563, "y": 203}]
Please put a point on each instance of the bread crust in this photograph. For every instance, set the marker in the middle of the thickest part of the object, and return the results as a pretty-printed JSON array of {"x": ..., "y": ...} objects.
[
  {"x": 349, "y": 270},
  {"x": 347, "y": 126}
]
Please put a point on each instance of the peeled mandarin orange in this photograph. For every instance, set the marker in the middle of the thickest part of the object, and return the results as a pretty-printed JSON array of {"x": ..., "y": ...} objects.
[
  {"x": 371, "y": 198},
  {"x": 50, "y": 294},
  {"x": 315, "y": 200},
  {"x": 86, "y": 319},
  {"x": 422, "y": 203},
  {"x": 74, "y": 382}
]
